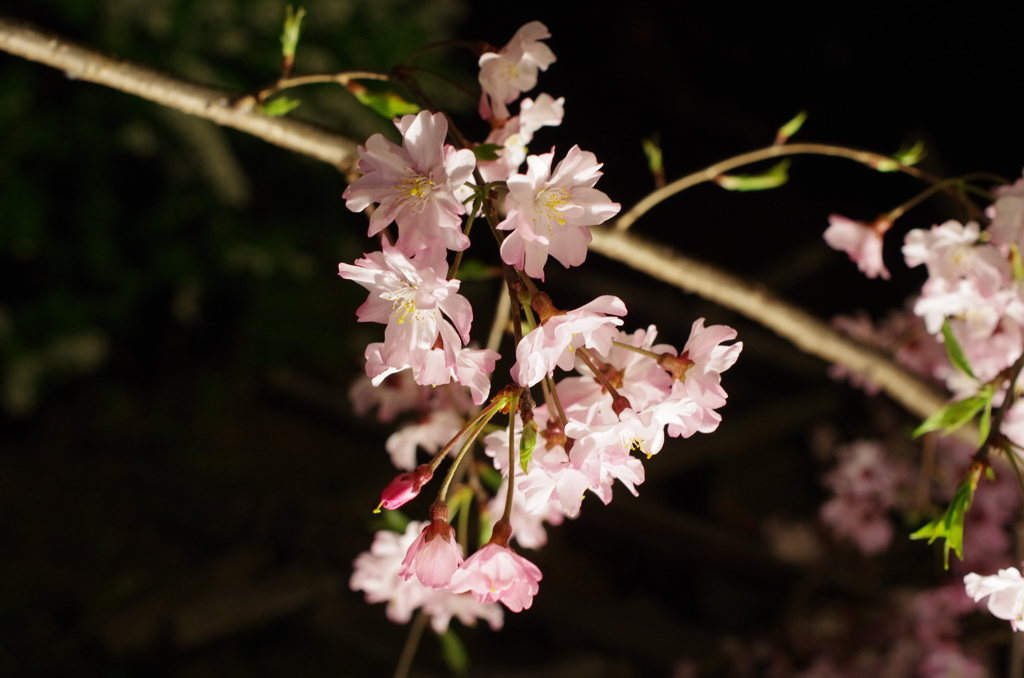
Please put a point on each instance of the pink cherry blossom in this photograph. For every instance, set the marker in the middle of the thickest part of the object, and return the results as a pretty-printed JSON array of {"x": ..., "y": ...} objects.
[
  {"x": 554, "y": 343},
  {"x": 548, "y": 213},
  {"x": 517, "y": 132},
  {"x": 414, "y": 184},
  {"x": 435, "y": 555},
  {"x": 952, "y": 251},
  {"x": 405, "y": 487},
  {"x": 1007, "y": 215},
  {"x": 1005, "y": 592},
  {"x": 698, "y": 375},
  {"x": 433, "y": 431},
  {"x": 409, "y": 296},
  {"x": 496, "y": 573},
  {"x": 863, "y": 242},
  {"x": 376, "y": 573},
  {"x": 513, "y": 69}
]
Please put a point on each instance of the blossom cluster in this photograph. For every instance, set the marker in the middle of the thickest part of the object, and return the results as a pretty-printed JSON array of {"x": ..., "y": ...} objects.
[{"x": 624, "y": 393}]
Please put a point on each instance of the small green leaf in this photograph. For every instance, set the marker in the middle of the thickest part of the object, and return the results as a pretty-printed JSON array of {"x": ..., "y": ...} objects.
[
  {"x": 950, "y": 526},
  {"x": 954, "y": 351},
  {"x": 790, "y": 128},
  {"x": 280, "y": 106},
  {"x": 292, "y": 28},
  {"x": 474, "y": 269},
  {"x": 491, "y": 478},
  {"x": 952, "y": 416},
  {"x": 652, "y": 149},
  {"x": 910, "y": 155},
  {"x": 527, "y": 441},
  {"x": 393, "y": 520},
  {"x": 986, "y": 422},
  {"x": 487, "y": 152},
  {"x": 386, "y": 103},
  {"x": 454, "y": 652},
  {"x": 885, "y": 165},
  {"x": 772, "y": 178}
]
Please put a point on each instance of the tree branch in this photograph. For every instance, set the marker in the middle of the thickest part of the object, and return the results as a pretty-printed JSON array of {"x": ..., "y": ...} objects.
[
  {"x": 753, "y": 301},
  {"x": 82, "y": 63},
  {"x": 662, "y": 263}
]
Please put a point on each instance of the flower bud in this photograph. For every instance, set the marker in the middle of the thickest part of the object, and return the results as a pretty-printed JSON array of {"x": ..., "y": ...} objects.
[{"x": 405, "y": 487}]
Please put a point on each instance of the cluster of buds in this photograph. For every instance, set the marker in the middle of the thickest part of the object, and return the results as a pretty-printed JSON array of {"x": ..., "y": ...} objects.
[{"x": 623, "y": 394}]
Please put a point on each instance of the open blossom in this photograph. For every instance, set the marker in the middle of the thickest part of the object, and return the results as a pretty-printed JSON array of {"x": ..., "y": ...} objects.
[
  {"x": 698, "y": 376},
  {"x": 952, "y": 251},
  {"x": 409, "y": 296},
  {"x": 497, "y": 573},
  {"x": 554, "y": 343},
  {"x": 517, "y": 132},
  {"x": 549, "y": 212},
  {"x": 862, "y": 242},
  {"x": 435, "y": 555},
  {"x": 1005, "y": 591},
  {"x": 377, "y": 574},
  {"x": 414, "y": 184},
  {"x": 513, "y": 69}
]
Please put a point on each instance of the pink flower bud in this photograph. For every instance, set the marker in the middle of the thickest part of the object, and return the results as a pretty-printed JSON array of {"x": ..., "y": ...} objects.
[{"x": 405, "y": 487}]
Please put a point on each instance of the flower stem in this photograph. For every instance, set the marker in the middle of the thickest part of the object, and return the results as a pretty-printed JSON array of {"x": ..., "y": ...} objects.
[
  {"x": 412, "y": 642},
  {"x": 637, "y": 349},
  {"x": 552, "y": 390},
  {"x": 484, "y": 417},
  {"x": 511, "y": 458},
  {"x": 498, "y": 402},
  {"x": 287, "y": 83}
]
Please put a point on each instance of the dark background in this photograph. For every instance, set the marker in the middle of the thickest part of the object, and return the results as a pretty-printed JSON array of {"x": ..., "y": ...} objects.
[{"x": 182, "y": 485}]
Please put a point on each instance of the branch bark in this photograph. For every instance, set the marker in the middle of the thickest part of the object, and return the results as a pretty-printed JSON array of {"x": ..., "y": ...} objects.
[
  {"x": 83, "y": 63},
  {"x": 660, "y": 262},
  {"x": 753, "y": 301}
]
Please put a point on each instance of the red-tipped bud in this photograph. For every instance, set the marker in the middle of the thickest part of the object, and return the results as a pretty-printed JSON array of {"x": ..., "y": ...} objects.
[
  {"x": 620, "y": 403},
  {"x": 501, "y": 533},
  {"x": 405, "y": 487}
]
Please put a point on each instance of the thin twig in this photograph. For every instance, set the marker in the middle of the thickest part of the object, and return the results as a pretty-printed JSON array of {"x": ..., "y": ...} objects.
[
  {"x": 82, "y": 63},
  {"x": 412, "y": 643},
  {"x": 710, "y": 173}
]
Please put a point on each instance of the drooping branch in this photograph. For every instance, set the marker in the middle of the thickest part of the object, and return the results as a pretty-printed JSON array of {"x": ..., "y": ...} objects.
[
  {"x": 660, "y": 262},
  {"x": 82, "y": 63},
  {"x": 753, "y": 301}
]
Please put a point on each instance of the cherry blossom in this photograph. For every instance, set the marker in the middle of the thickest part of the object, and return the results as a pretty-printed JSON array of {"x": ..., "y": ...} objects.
[
  {"x": 409, "y": 296},
  {"x": 435, "y": 555},
  {"x": 1007, "y": 214},
  {"x": 497, "y": 573},
  {"x": 1005, "y": 592},
  {"x": 513, "y": 69},
  {"x": 377, "y": 574},
  {"x": 414, "y": 184},
  {"x": 517, "y": 132},
  {"x": 554, "y": 343},
  {"x": 863, "y": 242},
  {"x": 549, "y": 212}
]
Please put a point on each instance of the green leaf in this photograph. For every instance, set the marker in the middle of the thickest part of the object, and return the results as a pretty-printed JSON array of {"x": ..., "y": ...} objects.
[
  {"x": 772, "y": 178},
  {"x": 527, "y": 441},
  {"x": 491, "y": 478},
  {"x": 280, "y": 106},
  {"x": 910, "y": 155},
  {"x": 454, "y": 653},
  {"x": 950, "y": 526},
  {"x": 386, "y": 103},
  {"x": 652, "y": 149},
  {"x": 474, "y": 269},
  {"x": 986, "y": 422},
  {"x": 292, "y": 28},
  {"x": 790, "y": 128},
  {"x": 954, "y": 351},
  {"x": 953, "y": 416},
  {"x": 487, "y": 152},
  {"x": 393, "y": 520}
]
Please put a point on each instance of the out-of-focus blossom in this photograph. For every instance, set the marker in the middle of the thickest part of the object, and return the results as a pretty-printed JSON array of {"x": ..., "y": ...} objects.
[
  {"x": 862, "y": 242},
  {"x": 512, "y": 70}
]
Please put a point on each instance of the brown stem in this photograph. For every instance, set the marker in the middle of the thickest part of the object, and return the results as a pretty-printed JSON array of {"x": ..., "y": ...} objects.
[
  {"x": 412, "y": 643},
  {"x": 82, "y": 63},
  {"x": 287, "y": 83}
]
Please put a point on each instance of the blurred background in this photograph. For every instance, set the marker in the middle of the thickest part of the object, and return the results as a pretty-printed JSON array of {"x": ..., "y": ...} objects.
[{"x": 183, "y": 485}]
